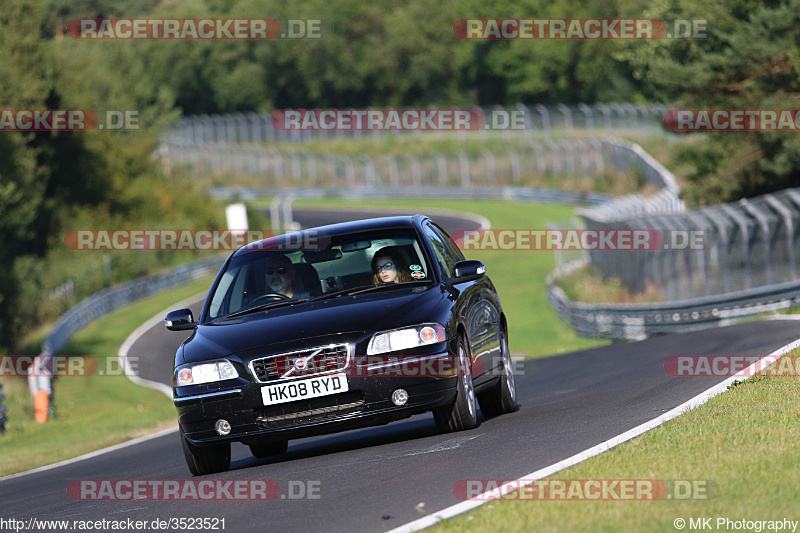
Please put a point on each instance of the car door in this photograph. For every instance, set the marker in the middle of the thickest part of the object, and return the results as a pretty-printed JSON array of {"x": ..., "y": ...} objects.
[{"x": 474, "y": 307}]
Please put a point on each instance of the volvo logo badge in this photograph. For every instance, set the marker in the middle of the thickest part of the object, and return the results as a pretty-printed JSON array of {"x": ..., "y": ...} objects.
[{"x": 300, "y": 363}]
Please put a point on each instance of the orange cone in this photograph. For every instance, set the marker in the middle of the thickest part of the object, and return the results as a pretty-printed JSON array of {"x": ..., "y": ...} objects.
[{"x": 41, "y": 404}]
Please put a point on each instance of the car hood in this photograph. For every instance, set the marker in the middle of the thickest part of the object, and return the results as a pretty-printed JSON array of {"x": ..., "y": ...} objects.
[{"x": 338, "y": 319}]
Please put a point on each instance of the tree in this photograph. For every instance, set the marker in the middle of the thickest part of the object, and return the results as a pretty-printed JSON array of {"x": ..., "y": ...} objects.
[{"x": 750, "y": 60}]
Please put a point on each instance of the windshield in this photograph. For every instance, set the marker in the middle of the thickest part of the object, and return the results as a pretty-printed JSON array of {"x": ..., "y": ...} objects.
[{"x": 346, "y": 263}]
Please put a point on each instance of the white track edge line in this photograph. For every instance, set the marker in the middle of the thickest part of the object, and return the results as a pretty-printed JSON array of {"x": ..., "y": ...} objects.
[
  {"x": 95, "y": 453},
  {"x": 700, "y": 399},
  {"x": 138, "y": 332},
  {"x": 122, "y": 355}
]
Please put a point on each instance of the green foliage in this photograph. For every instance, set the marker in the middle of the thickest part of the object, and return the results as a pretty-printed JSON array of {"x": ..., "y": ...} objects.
[
  {"x": 751, "y": 60},
  {"x": 385, "y": 54},
  {"x": 51, "y": 182}
]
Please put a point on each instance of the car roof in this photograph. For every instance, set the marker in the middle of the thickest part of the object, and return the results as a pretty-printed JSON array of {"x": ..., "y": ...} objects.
[{"x": 341, "y": 228}]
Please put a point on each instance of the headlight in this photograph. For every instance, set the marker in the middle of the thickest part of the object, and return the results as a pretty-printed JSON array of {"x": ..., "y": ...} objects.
[
  {"x": 195, "y": 374},
  {"x": 402, "y": 339}
]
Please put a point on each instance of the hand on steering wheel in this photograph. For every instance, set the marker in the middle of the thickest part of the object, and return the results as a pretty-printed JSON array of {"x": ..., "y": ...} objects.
[{"x": 271, "y": 296}]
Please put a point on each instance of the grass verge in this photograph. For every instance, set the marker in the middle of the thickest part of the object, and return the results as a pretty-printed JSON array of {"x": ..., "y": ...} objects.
[
  {"x": 587, "y": 284},
  {"x": 92, "y": 412},
  {"x": 744, "y": 441}
]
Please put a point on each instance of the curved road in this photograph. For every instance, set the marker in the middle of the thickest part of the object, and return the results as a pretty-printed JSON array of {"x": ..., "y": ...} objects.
[{"x": 373, "y": 479}]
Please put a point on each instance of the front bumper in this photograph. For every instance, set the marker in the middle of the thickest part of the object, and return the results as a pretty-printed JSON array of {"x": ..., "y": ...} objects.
[{"x": 366, "y": 403}]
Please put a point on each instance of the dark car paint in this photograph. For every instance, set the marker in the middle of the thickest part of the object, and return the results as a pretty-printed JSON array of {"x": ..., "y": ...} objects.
[{"x": 471, "y": 309}]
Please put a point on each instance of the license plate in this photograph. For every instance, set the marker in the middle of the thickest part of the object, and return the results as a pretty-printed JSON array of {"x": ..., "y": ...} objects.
[{"x": 304, "y": 388}]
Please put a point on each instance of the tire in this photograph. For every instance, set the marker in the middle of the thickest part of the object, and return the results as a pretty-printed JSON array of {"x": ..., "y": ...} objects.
[
  {"x": 203, "y": 460},
  {"x": 268, "y": 449},
  {"x": 502, "y": 398},
  {"x": 463, "y": 412}
]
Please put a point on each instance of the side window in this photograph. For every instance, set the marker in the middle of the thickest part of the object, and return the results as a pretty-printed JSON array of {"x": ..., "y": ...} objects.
[
  {"x": 440, "y": 247},
  {"x": 452, "y": 246},
  {"x": 230, "y": 292}
]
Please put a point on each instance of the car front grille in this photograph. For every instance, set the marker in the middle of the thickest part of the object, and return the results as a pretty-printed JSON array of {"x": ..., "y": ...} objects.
[
  {"x": 302, "y": 363},
  {"x": 311, "y": 409}
]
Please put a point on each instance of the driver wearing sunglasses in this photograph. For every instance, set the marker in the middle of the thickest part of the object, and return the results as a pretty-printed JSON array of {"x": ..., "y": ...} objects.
[
  {"x": 389, "y": 267},
  {"x": 280, "y": 277}
]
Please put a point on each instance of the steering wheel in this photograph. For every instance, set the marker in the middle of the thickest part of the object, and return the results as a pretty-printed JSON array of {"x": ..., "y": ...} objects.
[{"x": 271, "y": 296}]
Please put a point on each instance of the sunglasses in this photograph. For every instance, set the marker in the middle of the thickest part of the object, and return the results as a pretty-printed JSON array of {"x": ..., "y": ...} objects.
[
  {"x": 385, "y": 266},
  {"x": 277, "y": 270}
]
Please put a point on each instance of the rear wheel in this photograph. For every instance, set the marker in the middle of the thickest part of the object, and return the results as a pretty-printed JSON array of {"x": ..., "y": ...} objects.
[
  {"x": 463, "y": 412},
  {"x": 268, "y": 449},
  {"x": 502, "y": 398},
  {"x": 203, "y": 460}
]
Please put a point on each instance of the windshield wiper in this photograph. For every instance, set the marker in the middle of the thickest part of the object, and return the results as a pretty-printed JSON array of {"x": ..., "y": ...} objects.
[
  {"x": 262, "y": 307},
  {"x": 359, "y": 290}
]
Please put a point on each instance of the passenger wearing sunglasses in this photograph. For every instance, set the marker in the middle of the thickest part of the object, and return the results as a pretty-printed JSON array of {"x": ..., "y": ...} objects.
[
  {"x": 389, "y": 267},
  {"x": 280, "y": 277}
]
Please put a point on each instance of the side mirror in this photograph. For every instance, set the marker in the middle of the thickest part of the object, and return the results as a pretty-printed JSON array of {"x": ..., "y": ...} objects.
[
  {"x": 468, "y": 270},
  {"x": 180, "y": 320}
]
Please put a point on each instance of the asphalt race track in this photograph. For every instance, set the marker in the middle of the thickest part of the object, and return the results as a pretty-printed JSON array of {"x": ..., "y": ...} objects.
[{"x": 373, "y": 479}]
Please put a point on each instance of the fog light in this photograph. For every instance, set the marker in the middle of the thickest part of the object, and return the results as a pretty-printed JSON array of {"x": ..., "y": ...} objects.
[
  {"x": 222, "y": 426},
  {"x": 399, "y": 397}
]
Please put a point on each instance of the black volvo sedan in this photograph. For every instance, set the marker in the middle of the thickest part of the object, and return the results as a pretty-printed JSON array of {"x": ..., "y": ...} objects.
[{"x": 339, "y": 327}]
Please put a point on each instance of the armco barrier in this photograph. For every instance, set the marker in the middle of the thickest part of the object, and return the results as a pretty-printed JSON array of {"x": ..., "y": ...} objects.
[
  {"x": 100, "y": 304},
  {"x": 710, "y": 250},
  {"x": 520, "y": 194},
  {"x": 107, "y": 300},
  {"x": 637, "y": 321}
]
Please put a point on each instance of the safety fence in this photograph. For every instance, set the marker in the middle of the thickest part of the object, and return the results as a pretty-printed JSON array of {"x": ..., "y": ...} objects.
[
  {"x": 107, "y": 300},
  {"x": 507, "y": 122},
  {"x": 565, "y": 159},
  {"x": 638, "y": 321},
  {"x": 715, "y": 264},
  {"x": 710, "y": 250}
]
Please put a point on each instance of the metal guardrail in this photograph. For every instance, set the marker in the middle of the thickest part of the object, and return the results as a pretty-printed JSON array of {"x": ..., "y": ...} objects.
[
  {"x": 107, "y": 300},
  {"x": 710, "y": 250},
  {"x": 747, "y": 265},
  {"x": 637, "y": 321},
  {"x": 522, "y": 194},
  {"x": 626, "y": 155}
]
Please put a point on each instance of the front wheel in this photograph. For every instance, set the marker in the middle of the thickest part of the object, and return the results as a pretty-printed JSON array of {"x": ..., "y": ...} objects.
[
  {"x": 502, "y": 398},
  {"x": 203, "y": 460},
  {"x": 463, "y": 412}
]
